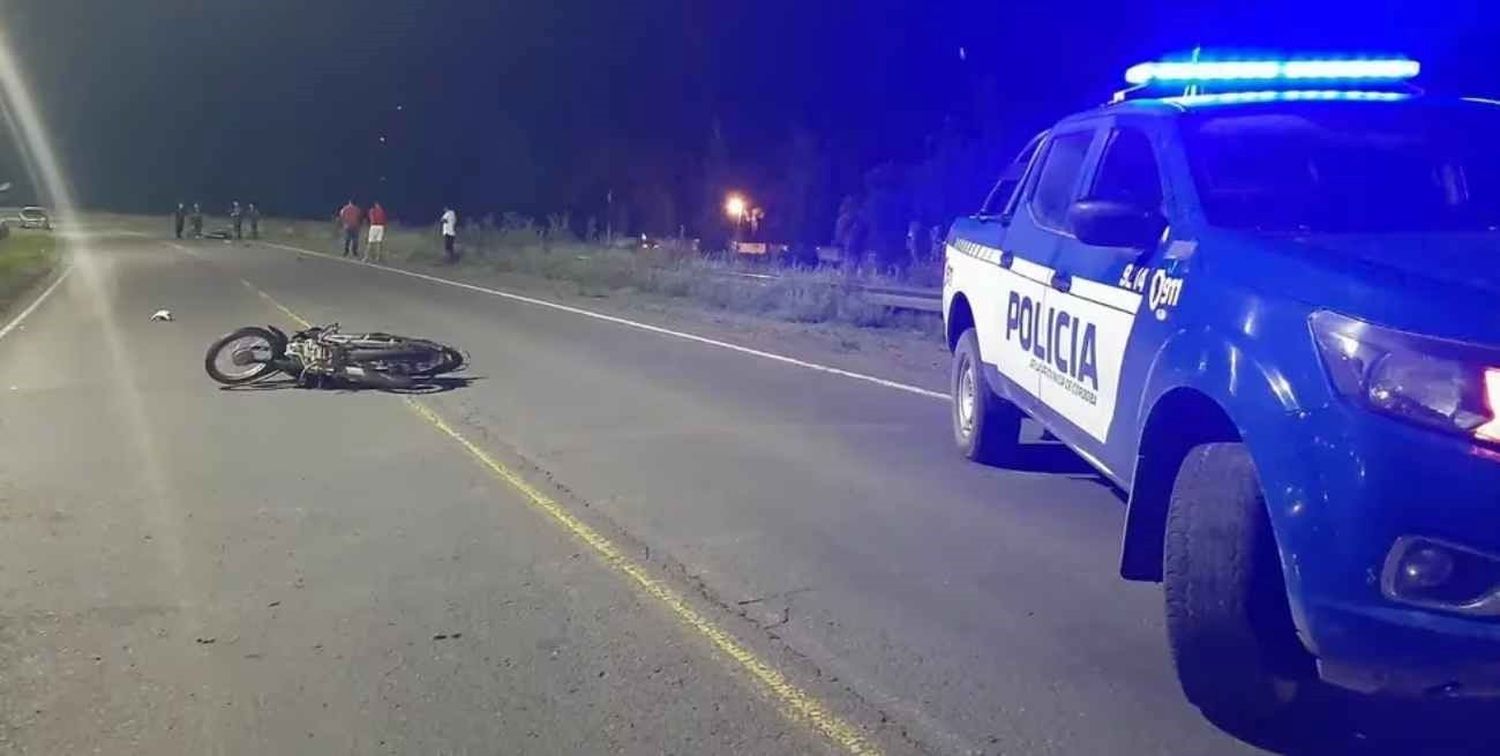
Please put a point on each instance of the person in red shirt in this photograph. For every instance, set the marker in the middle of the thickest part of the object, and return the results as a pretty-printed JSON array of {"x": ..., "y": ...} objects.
[
  {"x": 376, "y": 244},
  {"x": 350, "y": 217}
]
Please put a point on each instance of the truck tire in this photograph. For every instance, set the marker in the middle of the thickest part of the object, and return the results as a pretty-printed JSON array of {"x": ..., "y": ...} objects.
[
  {"x": 1228, "y": 623},
  {"x": 986, "y": 427}
]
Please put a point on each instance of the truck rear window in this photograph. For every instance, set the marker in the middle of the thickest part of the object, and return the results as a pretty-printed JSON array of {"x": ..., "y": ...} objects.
[{"x": 1347, "y": 167}]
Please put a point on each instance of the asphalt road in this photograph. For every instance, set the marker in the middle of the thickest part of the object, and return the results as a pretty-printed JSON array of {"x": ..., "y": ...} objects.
[{"x": 195, "y": 570}]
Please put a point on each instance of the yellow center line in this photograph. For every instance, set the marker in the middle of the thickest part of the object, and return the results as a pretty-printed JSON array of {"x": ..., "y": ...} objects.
[
  {"x": 295, "y": 318},
  {"x": 792, "y": 700}
]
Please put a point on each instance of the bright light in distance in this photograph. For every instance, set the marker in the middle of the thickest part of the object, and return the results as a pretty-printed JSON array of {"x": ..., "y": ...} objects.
[
  {"x": 1490, "y": 430},
  {"x": 735, "y": 206},
  {"x": 1187, "y": 72}
]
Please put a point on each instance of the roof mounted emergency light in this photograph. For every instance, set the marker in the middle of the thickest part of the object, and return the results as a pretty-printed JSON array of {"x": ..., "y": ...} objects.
[
  {"x": 1291, "y": 95},
  {"x": 1352, "y": 71}
]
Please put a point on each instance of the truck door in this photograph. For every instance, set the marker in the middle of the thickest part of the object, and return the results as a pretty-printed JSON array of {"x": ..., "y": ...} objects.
[
  {"x": 1103, "y": 295},
  {"x": 1020, "y": 260}
]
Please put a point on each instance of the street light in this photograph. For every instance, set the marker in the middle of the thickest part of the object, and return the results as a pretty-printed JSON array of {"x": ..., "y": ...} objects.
[{"x": 735, "y": 207}]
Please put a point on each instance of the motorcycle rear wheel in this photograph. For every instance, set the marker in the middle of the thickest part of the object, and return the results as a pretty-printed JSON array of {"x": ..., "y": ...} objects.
[
  {"x": 414, "y": 357},
  {"x": 450, "y": 360}
]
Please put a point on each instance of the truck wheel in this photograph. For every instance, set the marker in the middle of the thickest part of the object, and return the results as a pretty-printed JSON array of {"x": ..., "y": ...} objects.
[
  {"x": 986, "y": 427},
  {"x": 1230, "y": 629}
]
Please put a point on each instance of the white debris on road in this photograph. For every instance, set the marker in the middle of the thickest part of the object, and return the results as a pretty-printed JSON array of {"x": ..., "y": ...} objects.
[{"x": 162, "y": 315}]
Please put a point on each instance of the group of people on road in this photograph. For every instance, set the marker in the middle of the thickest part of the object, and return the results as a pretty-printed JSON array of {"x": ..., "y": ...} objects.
[
  {"x": 351, "y": 218},
  {"x": 238, "y": 216},
  {"x": 187, "y": 220}
]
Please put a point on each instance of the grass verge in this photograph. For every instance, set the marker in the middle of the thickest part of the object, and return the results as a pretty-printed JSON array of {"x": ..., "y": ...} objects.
[
  {"x": 515, "y": 245},
  {"x": 25, "y": 258}
]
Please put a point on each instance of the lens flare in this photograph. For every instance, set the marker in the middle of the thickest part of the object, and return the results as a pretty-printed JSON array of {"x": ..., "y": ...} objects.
[{"x": 90, "y": 292}]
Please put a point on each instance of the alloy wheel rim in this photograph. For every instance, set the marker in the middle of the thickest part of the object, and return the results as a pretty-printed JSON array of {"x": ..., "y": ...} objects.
[{"x": 967, "y": 397}]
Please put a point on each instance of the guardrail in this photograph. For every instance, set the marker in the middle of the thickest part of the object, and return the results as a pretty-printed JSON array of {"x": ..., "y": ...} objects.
[{"x": 896, "y": 297}]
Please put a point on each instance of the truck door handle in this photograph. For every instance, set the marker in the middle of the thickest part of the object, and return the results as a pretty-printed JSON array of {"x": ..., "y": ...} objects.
[{"x": 1062, "y": 281}]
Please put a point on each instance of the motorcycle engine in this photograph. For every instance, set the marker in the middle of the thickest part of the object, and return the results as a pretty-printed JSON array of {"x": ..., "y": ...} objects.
[{"x": 314, "y": 356}]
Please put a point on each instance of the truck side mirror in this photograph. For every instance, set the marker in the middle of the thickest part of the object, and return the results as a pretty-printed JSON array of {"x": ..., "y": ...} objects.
[{"x": 1114, "y": 223}]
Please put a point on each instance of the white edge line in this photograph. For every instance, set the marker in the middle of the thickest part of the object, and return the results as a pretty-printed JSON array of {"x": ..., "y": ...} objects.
[
  {"x": 35, "y": 303},
  {"x": 908, "y": 388}
]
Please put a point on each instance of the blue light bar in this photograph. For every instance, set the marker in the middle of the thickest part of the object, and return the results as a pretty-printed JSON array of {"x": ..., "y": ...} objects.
[
  {"x": 1296, "y": 95},
  {"x": 1204, "y": 71}
]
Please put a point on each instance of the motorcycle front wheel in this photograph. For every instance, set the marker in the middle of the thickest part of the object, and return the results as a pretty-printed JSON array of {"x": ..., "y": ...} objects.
[{"x": 241, "y": 356}]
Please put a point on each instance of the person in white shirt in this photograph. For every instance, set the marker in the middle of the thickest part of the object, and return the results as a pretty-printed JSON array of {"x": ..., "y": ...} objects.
[{"x": 450, "y": 234}]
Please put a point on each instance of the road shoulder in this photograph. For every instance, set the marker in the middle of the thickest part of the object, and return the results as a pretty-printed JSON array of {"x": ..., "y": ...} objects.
[{"x": 893, "y": 354}]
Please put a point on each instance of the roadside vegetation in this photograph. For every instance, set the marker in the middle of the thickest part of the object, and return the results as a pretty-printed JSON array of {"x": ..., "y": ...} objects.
[
  {"x": 26, "y": 257},
  {"x": 514, "y": 244}
]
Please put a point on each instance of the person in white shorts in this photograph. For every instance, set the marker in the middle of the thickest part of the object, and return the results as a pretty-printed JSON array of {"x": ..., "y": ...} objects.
[
  {"x": 449, "y": 222},
  {"x": 376, "y": 246}
]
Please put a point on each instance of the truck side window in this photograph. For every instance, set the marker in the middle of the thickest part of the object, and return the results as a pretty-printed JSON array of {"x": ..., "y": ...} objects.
[
  {"x": 1128, "y": 171},
  {"x": 1001, "y": 201},
  {"x": 1058, "y": 176}
]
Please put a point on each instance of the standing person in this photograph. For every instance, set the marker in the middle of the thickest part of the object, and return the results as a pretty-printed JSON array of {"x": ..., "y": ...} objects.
[
  {"x": 197, "y": 221},
  {"x": 253, "y": 213},
  {"x": 237, "y": 218},
  {"x": 349, "y": 217},
  {"x": 449, "y": 223},
  {"x": 376, "y": 245},
  {"x": 916, "y": 246},
  {"x": 850, "y": 234},
  {"x": 179, "y": 219}
]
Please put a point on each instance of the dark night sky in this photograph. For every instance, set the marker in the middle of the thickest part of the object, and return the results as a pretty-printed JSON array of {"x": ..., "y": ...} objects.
[{"x": 538, "y": 105}]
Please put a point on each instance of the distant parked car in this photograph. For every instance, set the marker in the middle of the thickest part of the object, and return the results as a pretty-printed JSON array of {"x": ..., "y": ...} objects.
[{"x": 35, "y": 217}]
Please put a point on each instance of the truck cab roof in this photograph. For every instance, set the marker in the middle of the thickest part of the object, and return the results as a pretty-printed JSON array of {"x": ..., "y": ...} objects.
[{"x": 1279, "y": 102}]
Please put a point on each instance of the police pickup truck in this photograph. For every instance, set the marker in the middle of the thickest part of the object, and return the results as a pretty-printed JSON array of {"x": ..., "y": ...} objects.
[{"x": 1264, "y": 307}]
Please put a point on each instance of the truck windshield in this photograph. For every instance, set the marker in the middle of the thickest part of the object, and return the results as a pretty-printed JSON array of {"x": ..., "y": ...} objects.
[{"x": 1354, "y": 167}]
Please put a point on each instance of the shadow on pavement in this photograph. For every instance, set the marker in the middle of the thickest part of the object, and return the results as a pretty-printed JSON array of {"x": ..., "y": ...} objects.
[
  {"x": 1331, "y": 721},
  {"x": 438, "y": 385},
  {"x": 1041, "y": 452},
  {"x": 1050, "y": 457}
]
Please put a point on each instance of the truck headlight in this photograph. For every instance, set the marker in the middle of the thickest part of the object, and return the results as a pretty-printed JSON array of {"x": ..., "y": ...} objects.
[{"x": 1446, "y": 385}]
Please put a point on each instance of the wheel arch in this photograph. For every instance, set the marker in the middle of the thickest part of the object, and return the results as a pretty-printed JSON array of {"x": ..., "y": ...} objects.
[
  {"x": 1180, "y": 419},
  {"x": 960, "y": 317},
  {"x": 1208, "y": 385}
]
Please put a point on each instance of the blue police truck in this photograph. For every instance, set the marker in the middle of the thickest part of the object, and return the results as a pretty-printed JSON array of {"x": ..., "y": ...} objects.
[{"x": 1260, "y": 297}]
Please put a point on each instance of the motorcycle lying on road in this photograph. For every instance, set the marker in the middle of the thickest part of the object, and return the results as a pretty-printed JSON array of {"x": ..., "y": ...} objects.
[{"x": 321, "y": 355}]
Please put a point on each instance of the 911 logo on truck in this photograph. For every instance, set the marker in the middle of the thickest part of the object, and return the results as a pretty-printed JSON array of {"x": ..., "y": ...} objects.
[
  {"x": 1065, "y": 346},
  {"x": 1162, "y": 290}
]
